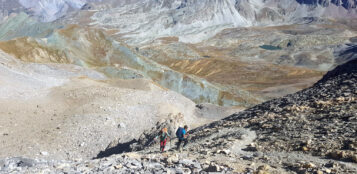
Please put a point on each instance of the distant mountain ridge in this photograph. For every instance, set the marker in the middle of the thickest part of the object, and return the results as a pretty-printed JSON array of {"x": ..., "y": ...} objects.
[
  {"x": 196, "y": 20},
  {"x": 50, "y": 10},
  {"x": 348, "y": 4}
]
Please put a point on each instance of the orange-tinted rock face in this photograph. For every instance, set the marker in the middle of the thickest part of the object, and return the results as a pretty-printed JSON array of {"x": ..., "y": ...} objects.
[
  {"x": 28, "y": 49},
  {"x": 248, "y": 76}
]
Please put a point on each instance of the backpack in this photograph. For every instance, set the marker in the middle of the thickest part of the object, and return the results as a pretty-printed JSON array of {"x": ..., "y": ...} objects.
[{"x": 179, "y": 133}]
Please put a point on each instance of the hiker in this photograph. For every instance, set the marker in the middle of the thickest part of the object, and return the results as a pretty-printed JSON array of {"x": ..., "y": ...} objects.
[
  {"x": 164, "y": 137},
  {"x": 182, "y": 135}
]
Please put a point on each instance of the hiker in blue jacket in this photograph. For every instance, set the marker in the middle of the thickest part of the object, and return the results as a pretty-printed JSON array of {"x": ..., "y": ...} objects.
[{"x": 182, "y": 135}]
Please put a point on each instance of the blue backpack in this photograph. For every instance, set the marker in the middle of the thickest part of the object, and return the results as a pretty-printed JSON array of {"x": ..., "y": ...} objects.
[{"x": 179, "y": 133}]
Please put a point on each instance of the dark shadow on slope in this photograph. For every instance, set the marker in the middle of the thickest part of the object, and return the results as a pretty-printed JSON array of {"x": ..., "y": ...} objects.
[
  {"x": 120, "y": 148},
  {"x": 344, "y": 3},
  {"x": 350, "y": 50},
  {"x": 347, "y": 54},
  {"x": 145, "y": 140},
  {"x": 347, "y": 68}
]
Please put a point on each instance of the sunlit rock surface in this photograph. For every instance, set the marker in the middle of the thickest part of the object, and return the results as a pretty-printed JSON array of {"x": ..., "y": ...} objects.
[
  {"x": 235, "y": 57},
  {"x": 208, "y": 51},
  {"x": 71, "y": 45}
]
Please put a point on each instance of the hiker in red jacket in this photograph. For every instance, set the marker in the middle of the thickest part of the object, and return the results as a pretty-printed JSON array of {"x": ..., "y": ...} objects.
[{"x": 164, "y": 137}]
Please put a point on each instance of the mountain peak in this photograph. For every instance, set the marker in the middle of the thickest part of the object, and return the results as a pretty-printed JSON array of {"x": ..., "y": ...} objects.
[{"x": 50, "y": 10}]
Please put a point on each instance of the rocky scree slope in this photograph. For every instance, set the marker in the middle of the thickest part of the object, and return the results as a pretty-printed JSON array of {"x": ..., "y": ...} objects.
[
  {"x": 320, "y": 120},
  {"x": 312, "y": 131},
  {"x": 318, "y": 123},
  {"x": 70, "y": 112}
]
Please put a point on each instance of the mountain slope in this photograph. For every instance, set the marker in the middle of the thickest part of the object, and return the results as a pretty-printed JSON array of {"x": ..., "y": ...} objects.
[
  {"x": 226, "y": 63},
  {"x": 318, "y": 121},
  {"x": 311, "y": 131},
  {"x": 117, "y": 60},
  {"x": 193, "y": 21},
  {"x": 64, "y": 111},
  {"x": 50, "y": 10}
]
